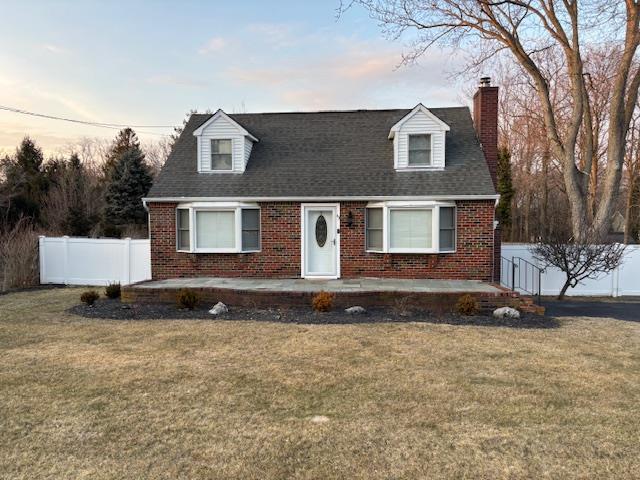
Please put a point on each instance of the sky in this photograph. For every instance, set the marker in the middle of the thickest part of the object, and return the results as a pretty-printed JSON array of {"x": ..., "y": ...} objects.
[{"x": 150, "y": 62}]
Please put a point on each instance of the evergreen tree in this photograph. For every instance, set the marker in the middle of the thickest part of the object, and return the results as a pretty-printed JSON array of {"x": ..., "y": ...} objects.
[
  {"x": 129, "y": 183},
  {"x": 77, "y": 222},
  {"x": 126, "y": 140},
  {"x": 25, "y": 182},
  {"x": 505, "y": 189}
]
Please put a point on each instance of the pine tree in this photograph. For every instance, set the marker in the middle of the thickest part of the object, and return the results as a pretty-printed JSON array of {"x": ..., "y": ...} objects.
[
  {"x": 129, "y": 183},
  {"x": 76, "y": 220},
  {"x": 126, "y": 140},
  {"x": 505, "y": 189},
  {"x": 25, "y": 182}
]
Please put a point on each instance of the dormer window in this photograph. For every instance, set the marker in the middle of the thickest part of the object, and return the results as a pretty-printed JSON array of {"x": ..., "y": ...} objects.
[
  {"x": 420, "y": 150},
  {"x": 224, "y": 146},
  {"x": 419, "y": 140},
  {"x": 221, "y": 154}
]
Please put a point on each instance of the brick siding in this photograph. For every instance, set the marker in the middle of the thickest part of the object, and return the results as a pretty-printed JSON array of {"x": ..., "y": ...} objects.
[{"x": 280, "y": 254}]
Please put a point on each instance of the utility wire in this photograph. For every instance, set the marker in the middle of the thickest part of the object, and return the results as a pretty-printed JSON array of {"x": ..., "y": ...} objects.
[{"x": 84, "y": 122}]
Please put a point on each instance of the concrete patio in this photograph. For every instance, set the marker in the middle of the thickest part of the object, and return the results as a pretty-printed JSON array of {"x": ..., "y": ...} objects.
[
  {"x": 341, "y": 285},
  {"x": 436, "y": 295}
]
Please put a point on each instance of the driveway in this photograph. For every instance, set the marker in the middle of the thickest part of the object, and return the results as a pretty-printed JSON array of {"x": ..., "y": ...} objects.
[{"x": 627, "y": 308}]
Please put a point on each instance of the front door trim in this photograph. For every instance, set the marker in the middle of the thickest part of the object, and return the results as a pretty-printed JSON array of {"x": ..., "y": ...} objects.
[{"x": 304, "y": 208}]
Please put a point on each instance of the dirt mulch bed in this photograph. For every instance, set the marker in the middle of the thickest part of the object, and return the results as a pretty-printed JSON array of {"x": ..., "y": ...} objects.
[{"x": 115, "y": 310}]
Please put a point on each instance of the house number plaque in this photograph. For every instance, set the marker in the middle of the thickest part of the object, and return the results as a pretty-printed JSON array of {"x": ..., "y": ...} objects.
[{"x": 321, "y": 231}]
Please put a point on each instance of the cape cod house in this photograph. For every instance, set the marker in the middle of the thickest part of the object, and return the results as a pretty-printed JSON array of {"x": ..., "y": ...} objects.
[{"x": 402, "y": 193}]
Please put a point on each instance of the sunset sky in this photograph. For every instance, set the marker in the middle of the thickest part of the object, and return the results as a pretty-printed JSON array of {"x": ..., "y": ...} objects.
[{"x": 144, "y": 63}]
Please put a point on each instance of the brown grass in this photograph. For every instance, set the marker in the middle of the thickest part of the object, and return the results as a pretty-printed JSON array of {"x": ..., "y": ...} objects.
[{"x": 219, "y": 399}]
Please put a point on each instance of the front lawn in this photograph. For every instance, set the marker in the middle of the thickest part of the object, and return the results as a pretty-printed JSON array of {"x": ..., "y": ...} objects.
[{"x": 95, "y": 399}]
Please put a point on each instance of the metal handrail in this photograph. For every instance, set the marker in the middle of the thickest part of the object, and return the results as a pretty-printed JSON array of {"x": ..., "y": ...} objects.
[{"x": 521, "y": 275}]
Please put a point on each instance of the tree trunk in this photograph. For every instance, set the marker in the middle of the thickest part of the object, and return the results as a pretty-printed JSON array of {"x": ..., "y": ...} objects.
[{"x": 564, "y": 289}]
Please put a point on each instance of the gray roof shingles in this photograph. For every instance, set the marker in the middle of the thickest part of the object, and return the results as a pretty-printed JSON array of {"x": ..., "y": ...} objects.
[{"x": 328, "y": 154}]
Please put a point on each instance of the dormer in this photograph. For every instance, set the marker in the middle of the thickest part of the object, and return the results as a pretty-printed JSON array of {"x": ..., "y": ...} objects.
[
  {"x": 418, "y": 141},
  {"x": 224, "y": 146}
]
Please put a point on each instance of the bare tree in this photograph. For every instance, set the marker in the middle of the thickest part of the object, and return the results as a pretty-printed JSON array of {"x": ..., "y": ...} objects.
[
  {"x": 578, "y": 259},
  {"x": 528, "y": 29},
  {"x": 632, "y": 166}
]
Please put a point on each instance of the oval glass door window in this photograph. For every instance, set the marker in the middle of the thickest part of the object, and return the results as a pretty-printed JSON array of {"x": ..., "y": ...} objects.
[{"x": 321, "y": 231}]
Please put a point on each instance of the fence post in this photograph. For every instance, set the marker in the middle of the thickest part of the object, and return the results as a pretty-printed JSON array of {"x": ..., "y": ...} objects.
[
  {"x": 126, "y": 271},
  {"x": 41, "y": 259},
  {"x": 65, "y": 257}
]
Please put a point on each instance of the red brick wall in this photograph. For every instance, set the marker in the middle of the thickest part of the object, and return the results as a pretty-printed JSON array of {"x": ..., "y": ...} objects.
[
  {"x": 280, "y": 255},
  {"x": 473, "y": 258}
]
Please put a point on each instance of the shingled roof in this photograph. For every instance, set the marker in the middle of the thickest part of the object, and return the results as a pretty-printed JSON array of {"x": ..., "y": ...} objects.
[{"x": 327, "y": 154}]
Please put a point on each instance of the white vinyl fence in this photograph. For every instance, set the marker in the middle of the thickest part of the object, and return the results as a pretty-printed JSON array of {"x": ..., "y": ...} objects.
[
  {"x": 624, "y": 280},
  {"x": 99, "y": 261},
  {"x": 94, "y": 261}
]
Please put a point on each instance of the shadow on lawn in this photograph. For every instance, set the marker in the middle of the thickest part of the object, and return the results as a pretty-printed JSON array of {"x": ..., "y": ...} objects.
[{"x": 114, "y": 310}]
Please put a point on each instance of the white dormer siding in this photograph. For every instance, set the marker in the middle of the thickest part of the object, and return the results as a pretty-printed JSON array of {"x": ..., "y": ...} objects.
[
  {"x": 248, "y": 145},
  {"x": 221, "y": 127},
  {"x": 420, "y": 121}
]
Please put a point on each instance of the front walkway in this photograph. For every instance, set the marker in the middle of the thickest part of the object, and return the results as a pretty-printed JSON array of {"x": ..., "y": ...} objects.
[{"x": 359, "y": 285}]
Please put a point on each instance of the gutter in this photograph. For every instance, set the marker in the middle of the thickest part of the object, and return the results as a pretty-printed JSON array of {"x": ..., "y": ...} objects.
[{"x": 146, "y": 200}]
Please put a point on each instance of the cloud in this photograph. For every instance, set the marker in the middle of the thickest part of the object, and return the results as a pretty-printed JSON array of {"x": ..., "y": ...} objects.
[
  {"x": 277, "y": 35},
  {"x": 214, "y": 44},
  {"x": 361, "y": 75},
  {"x": 55, "y": 49}
]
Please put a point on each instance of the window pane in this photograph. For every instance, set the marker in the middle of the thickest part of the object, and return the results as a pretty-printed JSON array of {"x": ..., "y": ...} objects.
[
  {"x": 410, "y": 228},
  {"x": 183, "y": 219},
  {"x": 374, "y": 239},
  {"x": 250, "y": 229},
  {"x": 419, "y": 142},
  {"x": 183, "y": 240},
  {"x": 419, "y": 157},
  {"x": 250, "y": 240},
  {"x": 221, "y": 146},
  {"x": 250, "y": 219},
  {"x": 447, "y": 240},
  {"x": 374, "y": 218},
  {"x": 215, "y": 229},
  {"x": 446, "y": 217},
  {"x": 220, "y": 162}
]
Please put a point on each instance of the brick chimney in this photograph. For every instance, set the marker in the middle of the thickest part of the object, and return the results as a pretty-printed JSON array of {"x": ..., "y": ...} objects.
[{"x": 485, "y": 118}]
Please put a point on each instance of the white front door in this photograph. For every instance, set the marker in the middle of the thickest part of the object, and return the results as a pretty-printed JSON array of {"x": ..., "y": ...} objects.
[{"x": 320, "y": 241}]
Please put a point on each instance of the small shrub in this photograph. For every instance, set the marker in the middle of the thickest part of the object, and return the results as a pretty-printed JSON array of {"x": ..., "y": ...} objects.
[
  {"x": 112, "y": 290},
  {"x": 187, "y": 299},
  {"x": 322, "y": 301},
  {"x": 467, "y": 305},
  {"x": 89, "y": 297}
]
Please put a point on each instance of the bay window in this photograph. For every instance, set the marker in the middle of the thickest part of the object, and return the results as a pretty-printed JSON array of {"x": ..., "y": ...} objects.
[
  {"x": 218, "y": 228},
  {"x": 182, "y": 229},
  {"x": 373, "y": 223},
  {"x": 410, "y": 227}
]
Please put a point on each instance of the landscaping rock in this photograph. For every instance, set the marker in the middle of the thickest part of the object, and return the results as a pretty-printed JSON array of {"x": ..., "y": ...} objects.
[
  {"x": 506, "y": 312},
  {"x": 355, "y": 310},
  {"x": 319, "y": 419},
  {"x": 218, "y": 308}
]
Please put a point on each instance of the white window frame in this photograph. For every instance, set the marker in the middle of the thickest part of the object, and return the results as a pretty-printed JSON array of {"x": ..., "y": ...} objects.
[
  {"x": 220, "y": 170},
  {"x": 178, "y": 229},
  {"x": 434, "y": 206},
  {"x": 420, "y": 165},
  {"x": 235, "y": 207}
]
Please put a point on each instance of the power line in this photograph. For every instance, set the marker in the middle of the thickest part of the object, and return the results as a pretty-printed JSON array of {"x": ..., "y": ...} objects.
[{"x": 83, "y": 122}]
